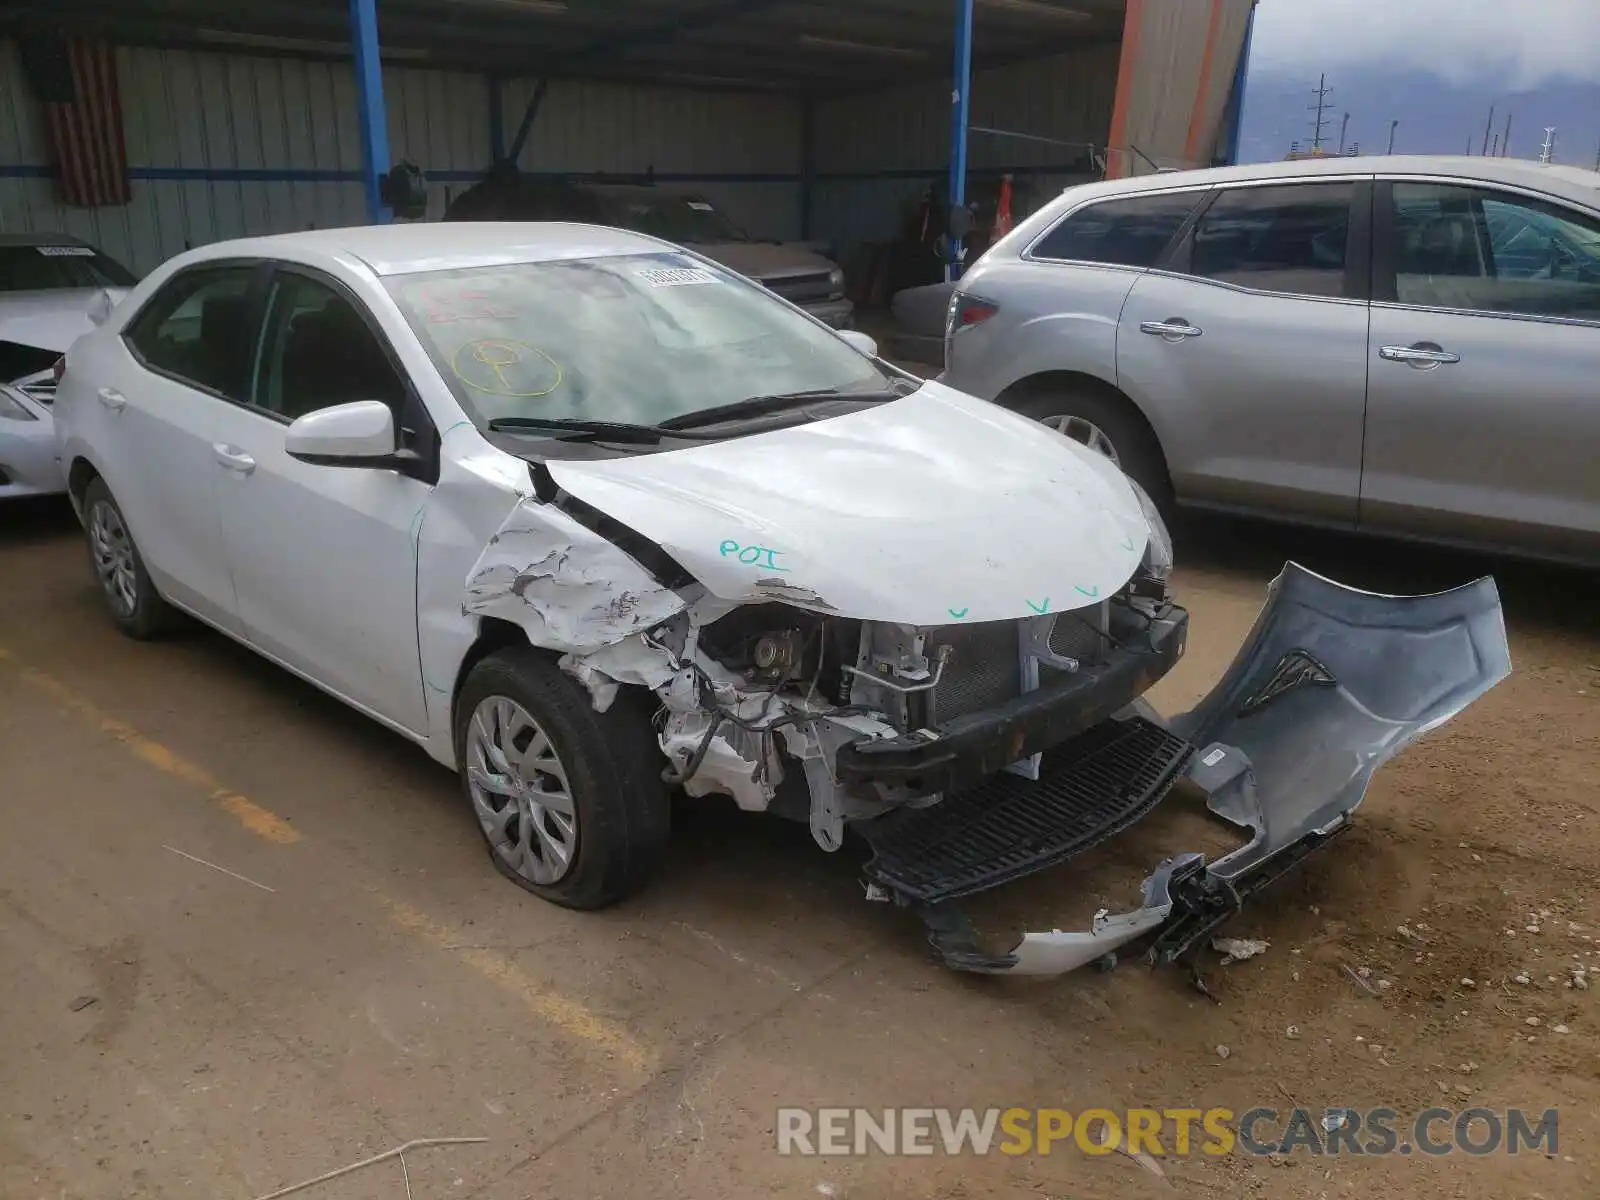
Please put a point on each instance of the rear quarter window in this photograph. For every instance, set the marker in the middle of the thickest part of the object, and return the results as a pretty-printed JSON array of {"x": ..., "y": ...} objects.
[{"x": 1131, "y": 231}]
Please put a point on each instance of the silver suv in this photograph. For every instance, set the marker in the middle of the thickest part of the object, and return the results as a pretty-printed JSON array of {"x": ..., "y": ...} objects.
[{"x": 1407, "y": 345}]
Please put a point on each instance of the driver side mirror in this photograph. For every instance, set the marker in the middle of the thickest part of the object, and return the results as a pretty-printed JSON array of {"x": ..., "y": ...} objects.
[{"x": 359, "y": 434}]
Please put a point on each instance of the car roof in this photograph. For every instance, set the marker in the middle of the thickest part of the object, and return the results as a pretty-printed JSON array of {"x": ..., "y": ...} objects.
[
  {"x": 402, "y": 249},
  {"x": 1573, "y": 183},
  {"x": 42, "y": 239}
]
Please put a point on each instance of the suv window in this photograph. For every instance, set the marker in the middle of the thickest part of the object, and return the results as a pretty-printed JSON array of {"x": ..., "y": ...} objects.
[
  {"x": 1470, "y": 248},
  {"x": 318, "y": 352},
  {"x": 1130, "y": 232},
  {"x": 1284, "y": 238},
  {"x": 196, "y": 329}
]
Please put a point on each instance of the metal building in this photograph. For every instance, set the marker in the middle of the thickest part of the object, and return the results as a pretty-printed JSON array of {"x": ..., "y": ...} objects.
[{"x": 802, "y": 118}]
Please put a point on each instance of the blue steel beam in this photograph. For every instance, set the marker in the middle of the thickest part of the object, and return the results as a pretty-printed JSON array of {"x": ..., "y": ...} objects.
[
  {"x": 370, "y": 106},
  {"x": 1228, "y": 152},
  {"x": 960, "y": 116}
]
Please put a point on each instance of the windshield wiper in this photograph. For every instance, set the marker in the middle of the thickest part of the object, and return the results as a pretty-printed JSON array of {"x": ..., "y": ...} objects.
[
  {"x": 611, "y": 431},
  {"x": 755, "y": 406}
]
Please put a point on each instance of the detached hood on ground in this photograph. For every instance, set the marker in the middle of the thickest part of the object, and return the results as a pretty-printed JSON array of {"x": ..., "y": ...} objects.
[{"x": 935, "y": 509}]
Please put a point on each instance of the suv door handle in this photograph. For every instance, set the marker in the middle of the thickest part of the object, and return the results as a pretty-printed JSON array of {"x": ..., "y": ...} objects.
[
  {"x": 1424, "y": 355},
  {"x": 112, "y": 399},
  {"x": 1172, "y": 327},
  {"x": 233, "y": 459}
]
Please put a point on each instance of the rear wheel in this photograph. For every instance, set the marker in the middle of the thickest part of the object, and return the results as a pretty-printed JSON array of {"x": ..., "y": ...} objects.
[
  {"x": 131, "y": 598},
  {"x": 570, "y": 801},
  {"x": 1107, "y": 425}
]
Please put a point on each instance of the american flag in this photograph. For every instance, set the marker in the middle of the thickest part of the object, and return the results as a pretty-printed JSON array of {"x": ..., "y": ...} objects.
[{"x": 75, "y": 81}]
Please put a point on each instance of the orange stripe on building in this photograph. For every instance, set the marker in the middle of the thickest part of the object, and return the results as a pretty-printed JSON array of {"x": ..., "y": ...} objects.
[
  {"x": 1197, "y": 122},
  {"x": 1117, "y": 155}
]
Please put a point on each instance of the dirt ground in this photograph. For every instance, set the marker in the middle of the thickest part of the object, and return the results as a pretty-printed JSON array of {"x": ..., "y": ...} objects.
[{"x": 364, "y": 978}]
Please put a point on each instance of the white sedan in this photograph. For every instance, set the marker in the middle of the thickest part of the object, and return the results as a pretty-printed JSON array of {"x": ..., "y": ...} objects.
[{"x": 591, "y": 518}]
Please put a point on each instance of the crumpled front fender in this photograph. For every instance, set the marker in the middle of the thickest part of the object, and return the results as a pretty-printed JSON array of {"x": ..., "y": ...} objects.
[{"x": 1331, "y": 683}]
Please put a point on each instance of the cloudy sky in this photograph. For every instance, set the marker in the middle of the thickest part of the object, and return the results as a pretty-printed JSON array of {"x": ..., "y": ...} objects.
[{"x": 1518, "y": 44}]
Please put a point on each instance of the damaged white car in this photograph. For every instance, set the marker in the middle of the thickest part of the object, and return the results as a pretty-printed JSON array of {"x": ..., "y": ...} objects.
[{"x": 591, "y": 518}]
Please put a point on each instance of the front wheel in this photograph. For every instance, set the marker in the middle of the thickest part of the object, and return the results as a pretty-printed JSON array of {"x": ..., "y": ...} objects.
[{"x": 570, "y": 801}]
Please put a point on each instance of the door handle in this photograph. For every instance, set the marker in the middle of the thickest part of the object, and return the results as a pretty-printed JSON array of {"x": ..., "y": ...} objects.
[
  {"x": 1424, "y": 355},
  {"x": 233, "y": 459},
  {"x": 112, "y": 399},
  {"x": 1172, "y": 327}
]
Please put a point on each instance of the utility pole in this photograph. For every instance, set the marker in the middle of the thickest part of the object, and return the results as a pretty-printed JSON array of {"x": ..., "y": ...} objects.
[
  {"x": 1487, "y": 125},
  {"x": 1505, "y": 138},
  {"x": 1393, "y": 125},
  {"x": 1344, "y": 128},
  {"x": 1319, "y": 108},
  {"x": 1597, "y": 159},
  {"x": 1469, "y": 143},
  {"x": 1494, "y": 148},
  {"x": 1549, "y": 143}
]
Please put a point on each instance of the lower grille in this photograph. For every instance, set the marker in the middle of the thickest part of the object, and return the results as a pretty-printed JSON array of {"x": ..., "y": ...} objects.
[
  {"x": 1091, "y": 787},
  {"x": 984, "y": 668}
]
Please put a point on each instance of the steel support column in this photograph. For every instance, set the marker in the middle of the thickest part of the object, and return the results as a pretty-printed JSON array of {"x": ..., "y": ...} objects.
[
  {"x": 960, "y": 116},
  {"x": 369, "y": 105},
  {"x": 1228, "y": 152}
]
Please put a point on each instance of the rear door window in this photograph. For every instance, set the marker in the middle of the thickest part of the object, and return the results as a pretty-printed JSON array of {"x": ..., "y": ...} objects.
[
  {"x": 1475, "y": 249},
  {"x": 199, "y": 329},
  {"x": 1129, "y": 232},
  {"x": 1290, "y": 238}
]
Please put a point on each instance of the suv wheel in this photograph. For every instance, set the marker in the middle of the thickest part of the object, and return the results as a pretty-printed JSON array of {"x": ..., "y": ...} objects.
[
  {"x": 1109, "y": 426},
  {"x": 570, "y": 801}
]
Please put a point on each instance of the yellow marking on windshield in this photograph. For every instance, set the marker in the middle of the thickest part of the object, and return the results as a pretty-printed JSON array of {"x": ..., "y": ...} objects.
[{"x": 498, "y": 354}]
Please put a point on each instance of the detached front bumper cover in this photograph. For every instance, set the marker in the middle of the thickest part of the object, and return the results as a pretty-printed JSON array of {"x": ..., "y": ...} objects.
[{"x": 1331, "y": 683}]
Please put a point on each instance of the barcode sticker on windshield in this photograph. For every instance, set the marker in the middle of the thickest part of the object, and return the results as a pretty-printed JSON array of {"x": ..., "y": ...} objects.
[
  {"x": 701, "y": 206},
  {"x": 675, "y": 276},
  {"x": 66, "y": 251}
]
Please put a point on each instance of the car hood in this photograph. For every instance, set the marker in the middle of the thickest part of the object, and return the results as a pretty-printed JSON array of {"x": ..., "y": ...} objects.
[
  {"x": 933, "y": 509},
  {"x": 766, "y": 260},
  {"x": 50, "y": 320}
]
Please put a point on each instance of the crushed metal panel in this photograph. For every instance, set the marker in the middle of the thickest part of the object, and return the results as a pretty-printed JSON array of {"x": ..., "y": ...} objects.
[{"x": 566, "y": 586}]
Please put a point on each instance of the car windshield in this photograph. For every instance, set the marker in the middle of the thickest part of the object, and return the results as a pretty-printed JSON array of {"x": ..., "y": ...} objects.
[
  {"x": 46, "y": 268},
  {"x": 641, "y": 339},
  {"x": 684, "y": 219}
]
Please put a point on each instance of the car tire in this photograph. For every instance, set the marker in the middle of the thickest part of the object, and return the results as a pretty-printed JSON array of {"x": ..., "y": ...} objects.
[
  {"x": 1090, "y": 415},
  {"x": 136, "y": 608},
  {"x": 570, "y": 801}
]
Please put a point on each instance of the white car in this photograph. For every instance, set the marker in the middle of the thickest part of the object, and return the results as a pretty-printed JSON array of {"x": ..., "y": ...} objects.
[
  {"x": 590, "y": 517},
  {"x": 49, "y": 285}
]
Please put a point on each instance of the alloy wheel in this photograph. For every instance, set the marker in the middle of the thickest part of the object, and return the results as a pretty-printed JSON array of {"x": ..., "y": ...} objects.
[
  {"x": 113, "y": 558},
  {"x": 1085, "y": 432},
  {"x": 520, "y": 791}
]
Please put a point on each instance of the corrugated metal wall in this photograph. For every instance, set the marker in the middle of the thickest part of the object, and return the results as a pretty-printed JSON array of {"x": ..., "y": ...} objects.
[
  {"x": 1178, "y": 65},
  {"x": 224, "y": 145},
  {"x": 741, "y": 151},
  {"x": 1067, "y": 99}
]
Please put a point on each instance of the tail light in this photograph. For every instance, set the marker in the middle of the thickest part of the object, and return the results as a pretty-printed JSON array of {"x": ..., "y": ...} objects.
[
  {"x": 59, "y": 368},
  {"x": 967, "y": 311}
]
